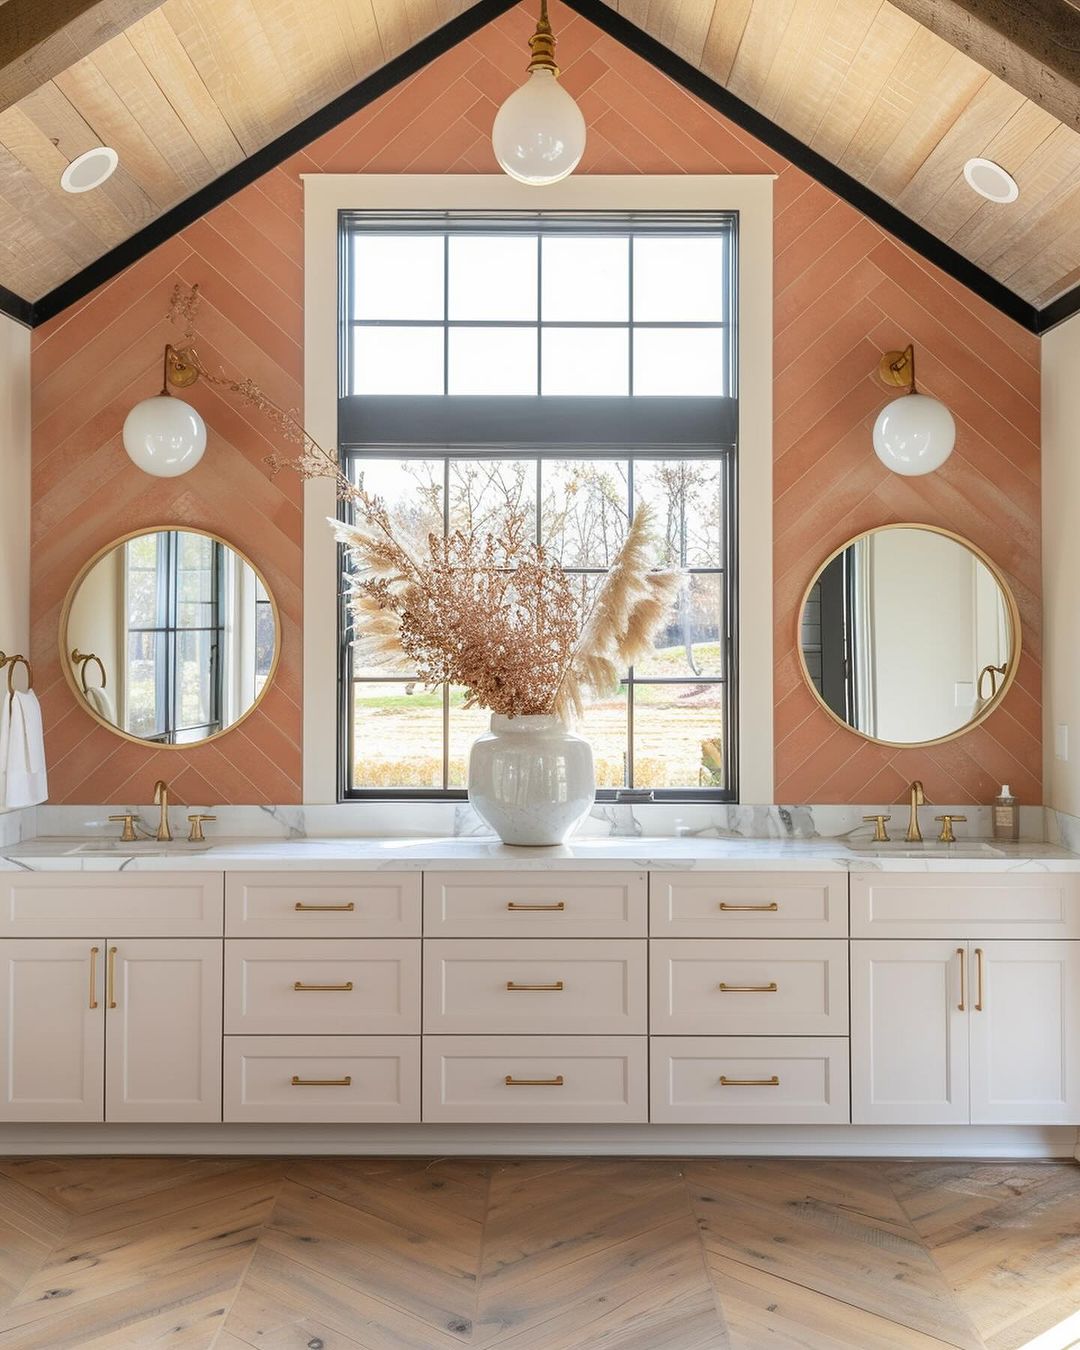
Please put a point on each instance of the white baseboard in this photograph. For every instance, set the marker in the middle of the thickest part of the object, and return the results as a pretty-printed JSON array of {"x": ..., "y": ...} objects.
[{"x": 809, "y": 1141}]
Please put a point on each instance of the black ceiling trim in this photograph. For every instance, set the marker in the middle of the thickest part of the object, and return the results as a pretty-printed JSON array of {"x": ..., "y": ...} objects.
[
  {"x": 1057, "y": 311},
  {"x": 15, "y": 307},
  {"x": 642, "y": 44},
  {"x": 269, "y": 157},
  {"x": 816, "y": 165}
]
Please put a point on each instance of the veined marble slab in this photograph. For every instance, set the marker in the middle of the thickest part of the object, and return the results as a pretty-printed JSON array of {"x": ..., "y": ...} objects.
[{"x": 637, "y": 854}]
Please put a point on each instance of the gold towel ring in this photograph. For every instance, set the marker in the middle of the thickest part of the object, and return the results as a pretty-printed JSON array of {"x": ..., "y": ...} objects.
[
  {"x": 991, "y": 672},
  {"x": 83, "y": 659},
  {"x": 11, "y": 662}
]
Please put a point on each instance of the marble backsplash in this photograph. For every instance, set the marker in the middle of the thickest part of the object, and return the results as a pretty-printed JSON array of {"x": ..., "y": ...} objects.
[{"x": 420, "y": 820}]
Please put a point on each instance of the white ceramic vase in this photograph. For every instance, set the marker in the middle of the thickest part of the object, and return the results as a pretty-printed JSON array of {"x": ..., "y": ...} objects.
[{"x": 531, "y": 779}]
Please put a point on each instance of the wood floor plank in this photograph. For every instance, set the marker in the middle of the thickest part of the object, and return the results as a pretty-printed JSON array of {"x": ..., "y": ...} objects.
[{"x": 535, "y": 1254}]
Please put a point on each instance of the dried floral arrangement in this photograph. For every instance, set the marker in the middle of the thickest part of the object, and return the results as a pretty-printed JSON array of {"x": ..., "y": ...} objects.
[{"x": 491, "y": 613}]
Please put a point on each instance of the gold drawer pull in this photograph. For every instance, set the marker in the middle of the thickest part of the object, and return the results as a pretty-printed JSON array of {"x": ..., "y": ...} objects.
[
  {"x": 979, "y": 979},
  {"x": 93, "y": 976},
  {"x": 301, "y": 908},
  {"x": 518, "y": 908},
  {"x": 774, "y": 1081},
  {"x": 322, "y": 1082},
  {"x": 302, "y": 988},
  {"x": 555, "y": 988},
  {"x": 770, "y": 908},
  {"x": 534, "y": 1082},
  {"x": 963, "y": 990},
  {"x": 769, "y": 988},
  {"x": 110, "y": 978}
]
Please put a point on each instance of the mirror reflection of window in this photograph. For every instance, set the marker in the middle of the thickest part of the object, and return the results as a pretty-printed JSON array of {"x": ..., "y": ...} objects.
[
  {"x": 171, "y": 636},
  {"x": 907, "y": 635}
]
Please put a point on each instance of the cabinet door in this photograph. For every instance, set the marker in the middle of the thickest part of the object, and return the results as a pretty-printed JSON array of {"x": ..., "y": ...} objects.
[
  {"x": 164, "y": 1030},
  {"x": 1025, "y": 1033},
  {"x": 52, "y": 1044},
  {"x": 909, "y": 1033}
]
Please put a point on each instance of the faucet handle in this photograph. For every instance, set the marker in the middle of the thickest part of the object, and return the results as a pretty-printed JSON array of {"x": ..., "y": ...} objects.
[
  {"x": 127, "y": 834},
  {"x": 195, "y": 834},
  {"x": 881, "y": 834},
  {"x": 946, "y": 836}
]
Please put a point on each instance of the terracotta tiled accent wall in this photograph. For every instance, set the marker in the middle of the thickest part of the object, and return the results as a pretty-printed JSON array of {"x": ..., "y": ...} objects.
[{"x": 845, "y": 292}]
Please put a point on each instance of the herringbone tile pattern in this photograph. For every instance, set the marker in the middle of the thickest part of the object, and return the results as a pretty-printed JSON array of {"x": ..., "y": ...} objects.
[
  {"x": 541, "y": 1254},
  {"x": 845, "y": 291}
]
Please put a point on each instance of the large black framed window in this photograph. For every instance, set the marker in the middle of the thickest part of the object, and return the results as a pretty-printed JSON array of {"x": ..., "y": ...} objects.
[{"x": 566, "y": 367}]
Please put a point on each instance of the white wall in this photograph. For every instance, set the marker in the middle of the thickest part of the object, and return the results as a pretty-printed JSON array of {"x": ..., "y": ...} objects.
[
  {"x": 1061, "y": 559},
  {"x": 14, "y": 487}
]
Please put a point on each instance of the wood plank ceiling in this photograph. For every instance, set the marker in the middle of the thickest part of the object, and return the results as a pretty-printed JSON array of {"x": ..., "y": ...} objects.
[
  {"x": 901, "y": 110},
  {"x": 196, "y": 86}
]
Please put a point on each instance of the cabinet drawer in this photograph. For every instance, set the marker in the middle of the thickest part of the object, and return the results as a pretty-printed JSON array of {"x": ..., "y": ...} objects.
[
  {"x": 754, "y": 1080},
  {"x": 748, "y": 904},
  {"x": 322, "y": 904},
  {"x": 972, "y": 904},
  {"x": 345, "y": 987},
  {"x": 88, "y": 904},
  {"x": 574, "y": 986},
  {"x": 553, "y": 1079},
  {"x": 749, "y": 988},
  {"x": 312, "y": 1080},
  {"x": 535, "y": 904}
]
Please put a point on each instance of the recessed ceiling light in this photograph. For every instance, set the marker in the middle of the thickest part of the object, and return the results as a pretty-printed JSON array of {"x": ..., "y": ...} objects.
[
  {"x": 89, "y": 170},
  {"x": 991, "y": 181}
]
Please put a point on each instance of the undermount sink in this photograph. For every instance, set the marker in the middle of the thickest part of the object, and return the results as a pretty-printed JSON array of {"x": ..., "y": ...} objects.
[
  {"x": 930, "y": 849},
  {"x": 142, "y": 848}
]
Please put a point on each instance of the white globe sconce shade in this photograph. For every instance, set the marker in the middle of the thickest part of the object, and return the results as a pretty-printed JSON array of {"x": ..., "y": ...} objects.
[
  {"x": 539, "y": 132},
  {"x": 164, "y": 436},
  {"x": 913, "y": 435}
]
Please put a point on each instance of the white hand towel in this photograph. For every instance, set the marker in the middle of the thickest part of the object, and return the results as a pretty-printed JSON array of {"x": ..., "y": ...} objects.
[
  {"x": 101, "y": 703},
  {"x": 5, "y": 742},
  {"x": 25, "y": 782}
]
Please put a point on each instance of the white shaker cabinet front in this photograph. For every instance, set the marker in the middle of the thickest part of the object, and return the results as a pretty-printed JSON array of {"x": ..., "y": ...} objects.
[
  {"x": 163, "y": 1030},
  {"x": 52, "y": 1055},
  {"x": 1025, "y": 1033},
  {"x": 909, "y": 1037}
]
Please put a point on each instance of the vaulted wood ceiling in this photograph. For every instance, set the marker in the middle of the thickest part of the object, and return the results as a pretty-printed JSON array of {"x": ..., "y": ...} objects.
[{"x": 194, "y": 87}]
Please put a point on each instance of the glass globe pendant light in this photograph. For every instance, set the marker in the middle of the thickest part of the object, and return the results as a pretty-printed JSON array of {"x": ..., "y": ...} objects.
[
  {"x": 539, "y": 132},
  {"x": 915, "y": 434},
  {"x": 165, "y": 436}
]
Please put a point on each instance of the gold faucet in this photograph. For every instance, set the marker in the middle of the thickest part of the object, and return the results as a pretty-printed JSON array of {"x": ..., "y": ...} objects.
[
  {"x": 918, "y": 798},
  {"x": 161, "y": 798}
]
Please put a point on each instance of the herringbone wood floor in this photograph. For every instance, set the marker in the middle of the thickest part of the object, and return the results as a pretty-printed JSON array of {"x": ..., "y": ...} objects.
[{"x": 548, "y": 1254}]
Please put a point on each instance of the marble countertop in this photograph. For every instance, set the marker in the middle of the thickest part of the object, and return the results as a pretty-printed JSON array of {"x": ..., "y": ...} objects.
[{"x": 737, "y": 853}]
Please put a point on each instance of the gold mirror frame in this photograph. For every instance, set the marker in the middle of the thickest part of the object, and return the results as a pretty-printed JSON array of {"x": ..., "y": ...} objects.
[
  {"x": 65, "y": 655},
  {"x": 1011, "y": 607}
]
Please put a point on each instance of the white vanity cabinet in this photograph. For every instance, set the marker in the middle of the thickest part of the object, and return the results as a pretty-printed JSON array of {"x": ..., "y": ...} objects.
[
  {"x": 105, "y": 1017},
  {"x": 980, "y": 1025}
]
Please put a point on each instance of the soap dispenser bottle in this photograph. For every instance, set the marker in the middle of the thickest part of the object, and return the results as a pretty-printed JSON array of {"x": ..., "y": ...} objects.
[{"x": 1006, "y": 815}]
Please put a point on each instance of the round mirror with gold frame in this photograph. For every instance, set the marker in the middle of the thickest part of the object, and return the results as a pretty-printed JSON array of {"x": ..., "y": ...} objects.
[
  {"x": 170, "y": 636},
  {"x": 909, "y": 635}
]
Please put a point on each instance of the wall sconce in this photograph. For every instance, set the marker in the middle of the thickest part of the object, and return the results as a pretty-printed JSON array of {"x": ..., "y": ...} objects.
[
  {"x": 163, "y": 435},
  {"x": 539, "y": 132},
  {"x": 915, "y": 434}
]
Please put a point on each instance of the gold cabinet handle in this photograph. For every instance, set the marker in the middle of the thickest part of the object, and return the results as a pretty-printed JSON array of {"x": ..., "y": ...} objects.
[
  {"x": 93, "y": 976},
  {"x": 774, "y": 1081},
  {"x": 301, "y": 908},
  {"x": 302, "y": 988},
  {"x": 963, "y": 990},
  {"x": 769, "y": 988},
  {"x": 110, "y": 979},
  {"x": 322, "y": 1082},
  {"x": 770, "y": 908},
  {"x": 978, "y": 979},
  {"x": 534, "y": 1082},
  {"x": 518, "y": 908},
  {"x": 555, "y": 988}
]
